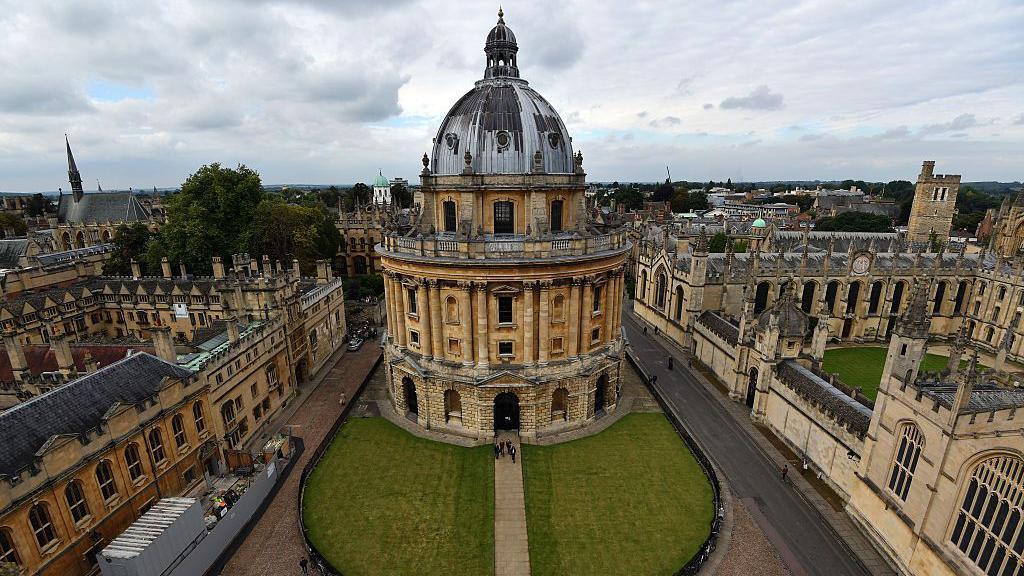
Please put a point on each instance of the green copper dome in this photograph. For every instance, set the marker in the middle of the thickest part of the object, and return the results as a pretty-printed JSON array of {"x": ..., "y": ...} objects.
[
  {"x": 759, "y": 223},
  {"x": 381, "y": 181}
]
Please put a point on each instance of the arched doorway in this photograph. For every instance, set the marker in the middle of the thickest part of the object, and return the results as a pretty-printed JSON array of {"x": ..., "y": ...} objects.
[
  {"x": 300, "y": 371},
  {"x": 506, "y": 411},
  {"x": 409, "y": 393},
  {"x": 751, "y": 387},
  {"x": 560, "y": 404},
  {"x": 599, "y": 394}
]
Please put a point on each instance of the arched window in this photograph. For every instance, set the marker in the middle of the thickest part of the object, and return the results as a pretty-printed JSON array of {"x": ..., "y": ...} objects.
[
  {"x": 504, "y": 221},
  {"x": 156, "y": 446},
  {"x": 451, "y": 308},
  {"x": 761, "y": 296},
  {"x": 7, "y": 551},
  {"x": 897, "y": 298},
  {"x": 643, "y": 285},
  {"x": 874, "y": 298},
  {"x": 679, "y": 303},
  {"x": 1002, "y": 292},
  {"x": 995, "y": 314},
  {"x": 989, "y": 333},
  {"x": 76, "y": 501},
  {"x": 42, "y": 527},
  {"x": 852, "y": 294},
  {"x": 198, "y": 416},
  {"x": 133, "y": 462},
  {"x": 904, "y": 461},
  {"x": 807, "y": 297},
  {"x": 988, "y": 524},
  {"x": 556, "y": 215},
  {"x": 105, "y": 479},
  {"x": 449, "y": 216},
  {"x": 660, "y": 290},
  {"x": 178, "y": 430},
  {"x": 981, "y": 288},
  {"x": 958, "y": 302},
  {"x": 940, "y": 294},
  {"x": 596, "y": 304}
]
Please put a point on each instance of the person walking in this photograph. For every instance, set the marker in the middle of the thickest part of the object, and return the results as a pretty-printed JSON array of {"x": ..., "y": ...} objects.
[
  {"x": 645, "y": 329},
  {"x": 497, "y": 451},
  {"x": 512, "y": 452},
  {"x": 304, "y": 566},
  {"x": 670, "y": 362},
  {"x": 654, "y": 379},
  {"x": 785, "y": 472},
  {"x": 655, "y": 330},
  {"x": 501, "y": 448}
]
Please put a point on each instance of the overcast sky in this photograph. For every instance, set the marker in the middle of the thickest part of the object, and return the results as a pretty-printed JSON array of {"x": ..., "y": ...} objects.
[{"x": 321, "y": 91}]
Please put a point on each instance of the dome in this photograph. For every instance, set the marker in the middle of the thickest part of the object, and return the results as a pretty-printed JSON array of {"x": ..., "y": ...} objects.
[
  {"x": 759, "y": 223},
  {"x": 380, "y": 181},
  {"x": 502, "y": 122}
]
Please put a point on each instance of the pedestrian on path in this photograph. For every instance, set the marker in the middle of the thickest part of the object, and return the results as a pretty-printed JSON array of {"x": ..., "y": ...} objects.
[
  {"x": 645, "y": 329},
  {"x": 501, "y": 448},
  {"x": 785, "y": 472},
  {"x": 512, "y": 452},
  {"x": 669, "y": 362},
  {"x": 654, "y": 379},
  {"x": 343, "y": 398},
  {"x": 655, "y": 330},
  {"x": 497, "y": 451},
  {"x": 304, "y": 566}
]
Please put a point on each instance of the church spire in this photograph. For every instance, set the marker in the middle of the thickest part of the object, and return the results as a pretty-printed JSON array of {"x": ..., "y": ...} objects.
[{"x": 74, "y": 177}]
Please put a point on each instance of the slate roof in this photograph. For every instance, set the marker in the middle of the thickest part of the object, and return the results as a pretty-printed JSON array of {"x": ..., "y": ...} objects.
[
  {"x": 101, "y": 207},
  {"x": 12, "y": 250},
  {"x": 40, "y": 358},
  {"x": 719, "y": 326},
  {"x": 791, "y": 319},
  {"x": 829, "y": 399},
  {"x": 985, "y": 397},
  {"x": 73, "y": 254},
  {"x": 78, "y": 407}
]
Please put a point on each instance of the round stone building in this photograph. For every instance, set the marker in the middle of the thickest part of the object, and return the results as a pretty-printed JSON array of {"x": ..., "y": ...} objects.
[{"x": 503, "y": 297}]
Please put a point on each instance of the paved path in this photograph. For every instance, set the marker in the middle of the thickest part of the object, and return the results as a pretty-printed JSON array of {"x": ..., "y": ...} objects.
[
  {"x": 511, "y": 546},
  {"x": 274, "y": 546},
  {"x": 804, "y": 540}
]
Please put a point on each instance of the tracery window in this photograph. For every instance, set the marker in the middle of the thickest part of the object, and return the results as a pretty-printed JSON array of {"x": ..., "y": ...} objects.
[
  {"x": 905, "y": 460},
  {"x": 987, "y": 528}
]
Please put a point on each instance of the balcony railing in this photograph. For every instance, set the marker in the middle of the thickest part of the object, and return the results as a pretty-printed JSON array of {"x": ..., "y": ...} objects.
[{"x": 504, "y": 246}]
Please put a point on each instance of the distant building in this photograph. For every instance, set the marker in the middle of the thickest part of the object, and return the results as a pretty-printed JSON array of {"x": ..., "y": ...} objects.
[
  {"x": 381, "y": 190},
  {"x": 934, "y": 204}
]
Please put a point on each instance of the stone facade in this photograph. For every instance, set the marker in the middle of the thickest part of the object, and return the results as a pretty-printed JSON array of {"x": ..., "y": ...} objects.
[{"x": 934, "y": 205}]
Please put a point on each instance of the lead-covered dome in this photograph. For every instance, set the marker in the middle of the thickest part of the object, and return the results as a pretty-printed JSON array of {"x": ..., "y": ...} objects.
[{"x": 502, "y": 121}]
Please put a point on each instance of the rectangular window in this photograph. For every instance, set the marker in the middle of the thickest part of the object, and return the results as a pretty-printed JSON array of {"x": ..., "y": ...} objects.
[
  {"x": 449, "y": 216},
  {"x": 504, "y": 309},
  {"x": 595, "y": 335},
  {"x": 503, "y": 220},
  {"x": 454, "y": 347},
  {"x": 189, "y": 475},
  {"x": 412, "y": 301},
  {"x": 505, "y": 348},
  {"x": 414, "y": 337},
  {"x": 556, "y": 216},
  {"x": 597, "y": 299},
  {"x": 556, "y": 344}
]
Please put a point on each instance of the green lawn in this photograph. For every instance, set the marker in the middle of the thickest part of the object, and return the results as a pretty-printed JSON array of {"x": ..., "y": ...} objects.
[
  {"x": 382, "y": 501},
  {"x": 862, "y": 366},
  {"x": 630, "y": 500}
]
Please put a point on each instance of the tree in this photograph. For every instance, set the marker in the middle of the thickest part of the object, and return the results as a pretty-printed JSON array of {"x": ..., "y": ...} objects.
[
  {"x": 39, "y": 205},
  {"x": 854, "y": 222},
  {"x": 739, "y": 246},
  {"x": 9, "y": 569},
  {"x": 285, "y": 231},
  {"x": 680, "y": 200},
  {"x": 804, "y": 202},
  {"x": 718, "y": 242},
  {"x": 12, "y": 225},
  {"x": 728, "y": 184},
  {"x": 632, "y": 198},
  {"x": 698, "y": 200},
  {"x": 209, "y": 217},
  {"x": 358, "y": 194},
  {"x": 663, "y": 193},
  {"x": 130, "y": 241},
  {"x": 401, "y": 195}
]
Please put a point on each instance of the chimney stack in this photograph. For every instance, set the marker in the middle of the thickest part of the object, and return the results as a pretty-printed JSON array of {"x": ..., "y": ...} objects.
[
  {"x": 268, "y": 270},
  {"x": 163, "y": 344},
  {"x": 295, "y": 268},
  {"x": 184, "y": 270},
  {"x": 218, "y": 268},
  {"x": 323, "y": 272},
  {"x": 136, "y": 271},
  {"x": 62, "y": 352},
  {"x": 233, "y": 333},
  {"x": 165, "y": 268},
  {"x": 90, "y": 363},
  {"x": 16, "y": 354}
]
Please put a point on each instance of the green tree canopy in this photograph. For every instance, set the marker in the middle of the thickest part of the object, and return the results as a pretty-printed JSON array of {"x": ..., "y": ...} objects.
[
  {"x": 401, "y": 195},
  {"x": 39, "y": 205},
  {"x": 12, "y": 225},
  {"x": 286, "y": 231},
  {"x": 854, "y": 222},
  {"x": 130, "y": 241}
]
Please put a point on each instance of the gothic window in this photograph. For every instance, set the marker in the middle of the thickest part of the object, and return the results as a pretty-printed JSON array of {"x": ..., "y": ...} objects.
[
  {"x": 995, "y": 314},
  {"x": 504, "y": 309},
  {"x": 133, "y": 462},
  {"x": 807, "y": 297},
  {"x": 76, "y": 501},
  {"x": 7, "y": 551},
  {"x": 897, "y": 298},
  {"x": 42, "y": 526},
  {"x": 1002, "y": 292},
  {"x": 449, "y": 216},
  {"x": 660, "y": 290},
  {"x": 989, "y": 333},
  {"x": 643, "y": 285},
  {"x": 761, "y": 296},
  {"x": 905, "y": 460},
  {"x": 852, "y": 293},
  {"x": 987, "y": 528},
  {"x": 178, "y": 429},
  {"x": 958, "y": 302},
  {"x": 940, "y": 293},
  {"x": 977, "y": 308},
  {"x": 503, "y": 219},
  {"x": 105, "y": 479},
  {"x": 556, "y": 215},
  {"x": 156, "y": 446},
  {"x": 679, "y": 303},
  {"x": 876, "y": 295},
  {"x": 981, "y": 289},
  {"x": 198, "y": 416}
]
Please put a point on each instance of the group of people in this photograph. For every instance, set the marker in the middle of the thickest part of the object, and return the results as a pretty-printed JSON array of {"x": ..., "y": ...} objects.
[{"x": 504, "y": 447}]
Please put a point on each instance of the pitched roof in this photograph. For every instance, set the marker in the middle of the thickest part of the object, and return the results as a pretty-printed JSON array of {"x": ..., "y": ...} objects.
[
  {"x": 78, "y": 407},
  {"x": 41, "y": 358},
  {"x": 12, "y": 250},
  {"x": 101, "y": 207}
]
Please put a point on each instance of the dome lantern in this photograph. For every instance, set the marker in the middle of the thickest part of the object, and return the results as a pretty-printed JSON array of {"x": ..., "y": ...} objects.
[{"x": 501, "y": 49}]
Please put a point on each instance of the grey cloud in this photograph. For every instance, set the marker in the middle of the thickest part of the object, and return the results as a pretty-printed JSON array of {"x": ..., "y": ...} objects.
[
  {"x": 894, "y": 133},
  {"x": 28, "y": 96},
  {"x": 708, "y": 106},
  {"x": 683, "y": 88},
  {"x": 761, "y": 98},
  {"x": 642, "y": 114},
  {"x": 666, "y": 121},
  {"x": 961, "y": 122},
  {"x": 1019, "y": 121},
  {"x": 811, "y": 137}
]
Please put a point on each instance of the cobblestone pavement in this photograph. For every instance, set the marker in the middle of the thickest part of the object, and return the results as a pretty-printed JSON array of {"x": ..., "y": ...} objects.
[
  {"x": 748, "y": 550},
  {"x": 511, "y": 546},
  {"x": 274, "y": 545}
]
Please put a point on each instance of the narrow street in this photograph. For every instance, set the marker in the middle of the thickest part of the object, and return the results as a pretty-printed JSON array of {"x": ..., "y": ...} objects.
[{"x": 803, "y": 538}]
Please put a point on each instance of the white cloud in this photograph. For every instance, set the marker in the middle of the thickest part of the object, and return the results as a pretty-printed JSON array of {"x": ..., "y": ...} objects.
[{"x": 761, "y": 98}]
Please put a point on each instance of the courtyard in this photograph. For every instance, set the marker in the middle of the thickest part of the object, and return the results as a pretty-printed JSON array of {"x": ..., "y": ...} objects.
[
  {"x": 629, "y": 500},
  {"x": 862, "y": 366}
]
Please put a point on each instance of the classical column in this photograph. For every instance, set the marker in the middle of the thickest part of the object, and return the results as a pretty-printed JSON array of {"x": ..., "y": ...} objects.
[
  {"x": 574, "y": 317},
  {"x": 586, "y": 314},
  {"x": 400, "y": 305},
  {"x": 435, "y": 318},
  {"x": 529, "y": 293},
  {"x": 545, "y": 322},
  {"x": 466, "y": 322},
  {"x": 423, "y": 311},
  {"x": 482, "y": 344},
  {"x": 389, "y": 305},
  {"x": 610, "y": 295}
]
